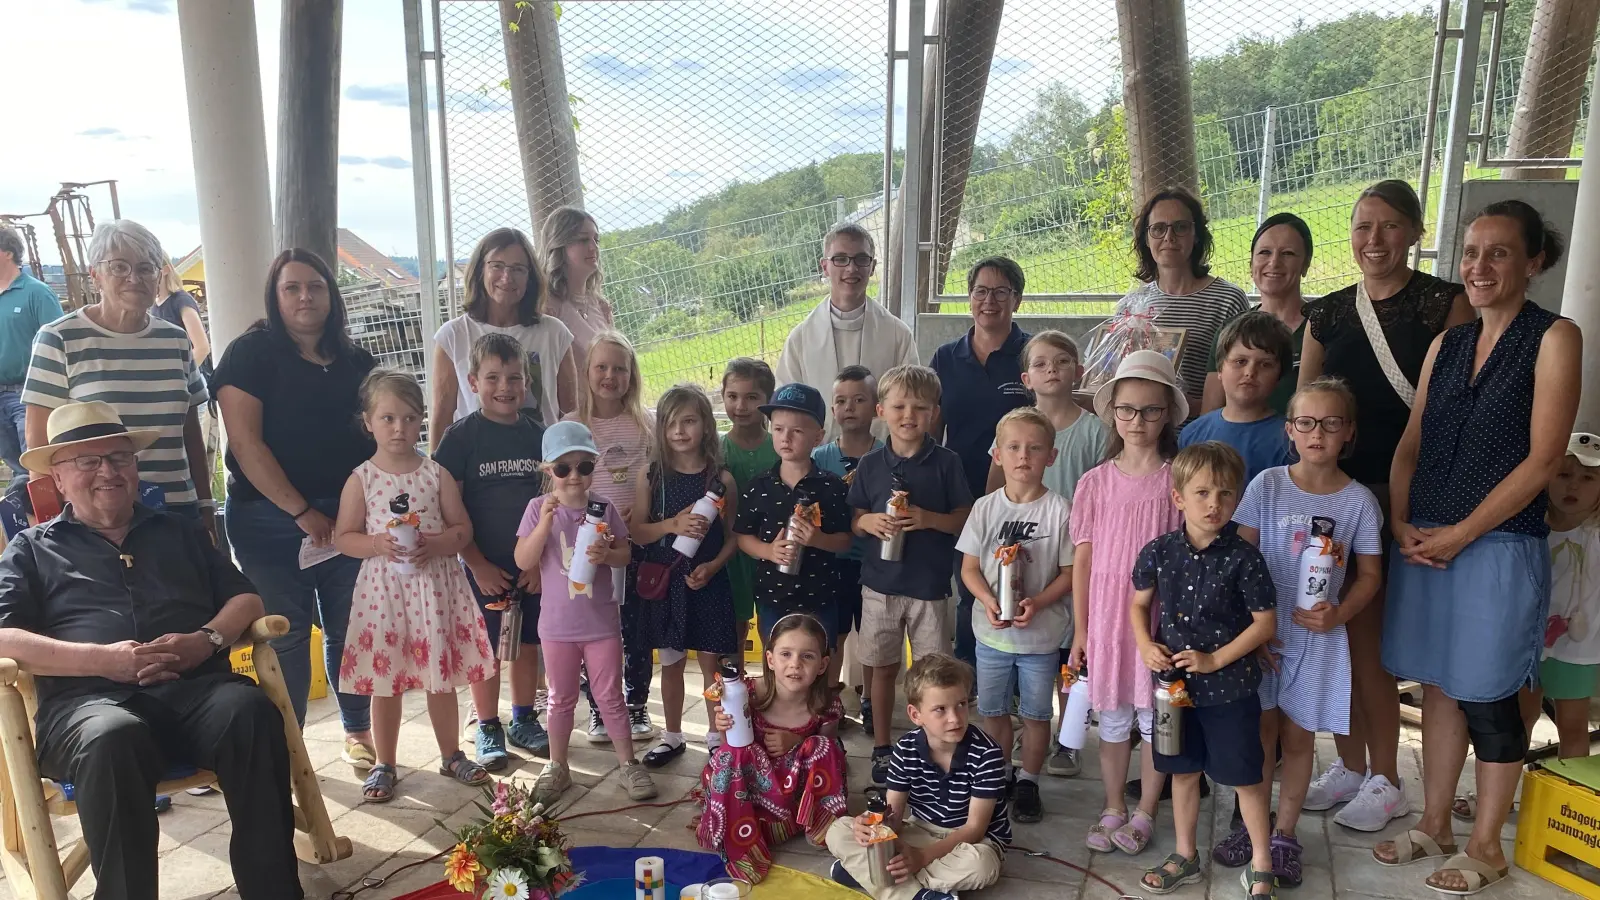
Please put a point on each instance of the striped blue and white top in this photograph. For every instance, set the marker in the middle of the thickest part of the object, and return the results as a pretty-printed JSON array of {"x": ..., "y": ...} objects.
[
  {"x": 1312, "y": 685},
  {"x": 149, "y": 377}
]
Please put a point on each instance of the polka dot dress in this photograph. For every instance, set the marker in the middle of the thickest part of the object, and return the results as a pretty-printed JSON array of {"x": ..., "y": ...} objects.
[{"x": 411, "y": 632}]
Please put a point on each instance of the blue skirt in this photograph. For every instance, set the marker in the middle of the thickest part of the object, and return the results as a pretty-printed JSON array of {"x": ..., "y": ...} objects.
[{"x": 1474, "y": 629}]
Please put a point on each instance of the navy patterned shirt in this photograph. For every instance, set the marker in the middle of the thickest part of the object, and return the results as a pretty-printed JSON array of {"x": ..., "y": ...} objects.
[{"x": 1204, "y": 600}]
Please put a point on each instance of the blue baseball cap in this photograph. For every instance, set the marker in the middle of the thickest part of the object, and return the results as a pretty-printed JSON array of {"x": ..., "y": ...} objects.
[
  {"x": 564, "y": 437},
  {"x": 800, "y": 398}
]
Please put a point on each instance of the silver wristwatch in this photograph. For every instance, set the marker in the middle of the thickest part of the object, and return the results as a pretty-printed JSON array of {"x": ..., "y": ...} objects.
[{"x": 215, "y": 637}]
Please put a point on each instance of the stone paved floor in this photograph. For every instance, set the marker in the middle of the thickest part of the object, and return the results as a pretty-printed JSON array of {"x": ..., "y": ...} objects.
[{"x": 195, "y": 833}]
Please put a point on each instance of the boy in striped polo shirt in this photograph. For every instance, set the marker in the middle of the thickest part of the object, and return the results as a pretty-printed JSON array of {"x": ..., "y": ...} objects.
[{"x": 947, "y": 797}]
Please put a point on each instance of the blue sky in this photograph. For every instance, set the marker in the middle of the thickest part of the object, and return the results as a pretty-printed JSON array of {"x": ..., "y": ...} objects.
[{"x": 675, "y": 99}]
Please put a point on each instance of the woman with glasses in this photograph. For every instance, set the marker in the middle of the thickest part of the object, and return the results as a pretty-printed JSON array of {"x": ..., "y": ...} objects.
[
  {"x": 288, "y": 388},
  {"x": 569, "y": 248},
  {"x": 118, "y": 352},
  {"x": 849, "y": 329},
  {"x": 505, "y": 295},
  {"x": 1173, "y": 243},
  {"x": 1470, "y": 584},
  {"x": 1374, "y": 335}
]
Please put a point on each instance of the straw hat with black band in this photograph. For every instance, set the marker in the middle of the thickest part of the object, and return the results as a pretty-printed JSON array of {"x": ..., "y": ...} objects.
[{"x": 80, "y": 423}]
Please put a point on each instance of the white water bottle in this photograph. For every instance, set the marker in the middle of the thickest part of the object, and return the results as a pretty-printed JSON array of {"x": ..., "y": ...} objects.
[
  {"x": 1075, "y": 712},
  {"x": 404, "y": 531},
  {"x": 581, "y": 571},
  {"x": 708, "y": 507},
  {"x": 736, "y": 705},
  {"x": 1316, "y": 563}
]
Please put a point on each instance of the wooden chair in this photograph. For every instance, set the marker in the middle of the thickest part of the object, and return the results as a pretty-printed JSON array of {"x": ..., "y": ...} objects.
[{"x": 28, "y": 853}]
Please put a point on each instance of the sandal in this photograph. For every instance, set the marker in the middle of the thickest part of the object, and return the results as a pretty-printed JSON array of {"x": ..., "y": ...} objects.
[
  {"x": 1286, "y": 860},
  {"x": 1234, "y": 850},
  {"x": 464, "y": 770},
  {"x": 1406, "y": 846},
  {"x": 1172, "y": 874},
  {"x": 1133, "y": 837},
  {"x": 379, "y": 786},
  {"x": 357, "y": 754},
  {"x": 1099, "y": 839},
  {"x": 1249, "y": 878},
  {"x": 1475, "y": 872},
  {"x": 1465, "y": 807}
]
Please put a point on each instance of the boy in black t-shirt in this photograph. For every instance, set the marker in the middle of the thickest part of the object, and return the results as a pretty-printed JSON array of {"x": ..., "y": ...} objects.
[{"x": 493, "y": 454}]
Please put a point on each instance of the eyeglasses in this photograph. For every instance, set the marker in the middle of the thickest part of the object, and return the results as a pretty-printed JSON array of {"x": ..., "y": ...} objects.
[
  {"x": 1147, "y": 413},
  {"x": 562, "y": 470},
  {"x": 1002, "y": 294},
  {"x": 499, "y": 268},
  {"x": 1329, "y": 424},
  {"x": 1159, "y": 230},
  {"x": 121, "y": 459},
  {"x": 121, "y": 268},
  {"x": 860, "y": 260}
]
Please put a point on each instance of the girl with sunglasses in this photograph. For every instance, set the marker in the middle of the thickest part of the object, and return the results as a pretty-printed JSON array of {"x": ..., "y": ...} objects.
[
  {"x": 687, "y": 602},
  {"x": 579, "y": 625}
]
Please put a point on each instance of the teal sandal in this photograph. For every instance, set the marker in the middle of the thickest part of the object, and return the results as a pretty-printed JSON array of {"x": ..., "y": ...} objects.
[
  {"x": 1249, "y": 878},
  {"x": 1186, "y": 871}
]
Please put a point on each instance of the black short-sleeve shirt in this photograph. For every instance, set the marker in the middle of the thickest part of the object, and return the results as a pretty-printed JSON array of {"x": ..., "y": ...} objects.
[
  {"x": 1205, "y": 597},
  {"x": 310, "y": 414},
  {"x": 63, "y": 580},
  {"x": 937, "y": 483},
  {"x": 498, "y": 467},
  {"x": 764, "y": 510}
]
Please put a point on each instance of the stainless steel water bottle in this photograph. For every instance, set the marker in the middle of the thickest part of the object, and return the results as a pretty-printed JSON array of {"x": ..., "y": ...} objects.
[
  {"x": 802, "y": 509},
  {"x": 1169, "y": 713},
  {"x": 510, "y": 632},
  {"x": 899, "y": 500},
  {"x": 881, "y": 851},
  {"x": 1010, "y": 593}
]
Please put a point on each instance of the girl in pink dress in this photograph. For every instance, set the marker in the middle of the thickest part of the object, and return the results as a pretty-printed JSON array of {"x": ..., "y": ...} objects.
[
  {"x": 413, "y": 622},
  {"x": 1121, "y": 505}
]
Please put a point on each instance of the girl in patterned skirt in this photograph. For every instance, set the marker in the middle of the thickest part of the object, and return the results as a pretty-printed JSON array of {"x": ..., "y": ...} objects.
[
  {"x": 1311, "y": 688},
  {"x": 792, "y": 778},
  {"x": 413, "y": 622}
]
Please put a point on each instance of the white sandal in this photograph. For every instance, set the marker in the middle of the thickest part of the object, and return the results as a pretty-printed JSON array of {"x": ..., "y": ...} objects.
[{"x": 1408, "y": 843}]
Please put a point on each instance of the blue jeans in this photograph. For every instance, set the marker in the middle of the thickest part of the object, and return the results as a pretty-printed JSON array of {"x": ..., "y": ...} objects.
[
  {"x": 267, "y": 544},
  {"x": 1002, "y": 675},
  {"x": 13, "y": 434}
]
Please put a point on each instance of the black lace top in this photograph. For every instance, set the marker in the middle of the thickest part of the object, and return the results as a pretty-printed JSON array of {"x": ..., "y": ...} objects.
[{"x": 1411, "y": 320}]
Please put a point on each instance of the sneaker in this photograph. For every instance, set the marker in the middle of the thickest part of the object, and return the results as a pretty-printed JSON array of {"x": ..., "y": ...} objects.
[
  {"x": 491, "y": 747},
  {"x": 597, "y": 728},
  {"x": 840, "y": 875},
  {"x": 1026, "y": 807},
  {"x": 636, "y": 781},
  {"x": 526, "y": 732},
  {"x": 553, "y": 781},
  {"x": 639, "y": 724},
  {"x": 1333, "y": 787},
  {"x": 880, "y": 764},
  {"x": 1378, "y": 804},
  {"x": 1065, "y": 763}
]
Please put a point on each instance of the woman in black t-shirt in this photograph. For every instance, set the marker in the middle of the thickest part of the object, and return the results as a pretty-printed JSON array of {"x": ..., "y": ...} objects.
[
  {"x": 1408, "y": 310},
  {"x": 288, "y": 389}
]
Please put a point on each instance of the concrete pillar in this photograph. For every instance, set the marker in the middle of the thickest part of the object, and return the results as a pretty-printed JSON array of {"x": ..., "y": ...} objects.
[
  {"x": 222, "y": 78},
  {"x": 1156, "y": 95},
  {"x": 1580, "y": 300},
  {"x": 545, "y": 137},
  {"x": 308, "y": 127}
]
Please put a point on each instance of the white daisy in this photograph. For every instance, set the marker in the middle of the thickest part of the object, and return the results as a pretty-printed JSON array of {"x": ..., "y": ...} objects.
[{"x": 507, "y": 884}]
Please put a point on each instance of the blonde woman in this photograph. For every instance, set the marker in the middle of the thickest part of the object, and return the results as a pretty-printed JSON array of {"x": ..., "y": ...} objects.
[
  {"x": 569, "y": 251},
  {"x": 178, "y": 306}
]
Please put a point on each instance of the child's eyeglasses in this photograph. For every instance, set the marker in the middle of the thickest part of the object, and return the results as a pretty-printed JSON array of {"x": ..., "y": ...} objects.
[
  {"x": 1147, "y": 413},
  {"x": 1330, "y": 424},
  {"x": 562, "y": 470}
]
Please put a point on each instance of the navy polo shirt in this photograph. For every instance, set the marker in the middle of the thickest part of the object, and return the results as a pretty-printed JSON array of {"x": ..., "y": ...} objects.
[
  {"x": 974, "y": 396},
  {"x": 936, "y": 483}
]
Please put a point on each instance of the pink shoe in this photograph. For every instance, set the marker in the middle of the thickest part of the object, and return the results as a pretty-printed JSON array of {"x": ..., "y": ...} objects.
[
  {"x": 1099, "y": 839},
  {"x": 1133, "y": 837}
]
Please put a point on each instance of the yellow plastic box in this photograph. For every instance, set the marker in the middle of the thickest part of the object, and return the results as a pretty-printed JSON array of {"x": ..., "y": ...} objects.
[
  {"x": 1558, "y": 832},
  {"x": 242, "y": 665}
]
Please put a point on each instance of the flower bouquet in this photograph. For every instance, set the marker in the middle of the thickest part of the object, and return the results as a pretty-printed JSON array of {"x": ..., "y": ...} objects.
[{"x": 514, "y": 853}]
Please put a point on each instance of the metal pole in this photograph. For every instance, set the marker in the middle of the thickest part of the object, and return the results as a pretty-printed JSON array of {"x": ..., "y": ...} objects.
[
  {"x": 910, "y": 189},
  {"x": 422, "y": 179},
  {"x": 1581, "y": 292},
  {"x": 1440, "y": 33},
  {"x": 444, "y": 164},
  {"x": 888, "y": 141},
  {"x": 1268, "y": 139},
  {"x": 1448, "y": 216},
  {"x": 838, "y": 209}
]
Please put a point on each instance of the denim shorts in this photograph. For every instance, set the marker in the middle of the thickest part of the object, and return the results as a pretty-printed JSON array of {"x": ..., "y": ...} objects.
[{"x": 1031, "y": 676}]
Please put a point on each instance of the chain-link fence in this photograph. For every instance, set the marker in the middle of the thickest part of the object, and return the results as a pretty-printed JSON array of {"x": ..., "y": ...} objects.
[{"x": 716, "y": 142}]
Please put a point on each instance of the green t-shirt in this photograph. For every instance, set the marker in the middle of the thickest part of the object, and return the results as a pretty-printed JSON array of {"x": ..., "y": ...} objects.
[
  {"x": 745, "y": 465},
  {"x": 1287, "y": 383}
]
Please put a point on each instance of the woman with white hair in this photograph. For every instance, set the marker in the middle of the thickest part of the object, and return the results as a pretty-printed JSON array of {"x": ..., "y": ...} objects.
[
  {"x": 118, "y": 352},
  {"x": 569, "y": 250}
]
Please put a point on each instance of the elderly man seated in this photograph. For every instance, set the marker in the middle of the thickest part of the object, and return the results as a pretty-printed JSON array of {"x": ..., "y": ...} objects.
[{"x": 125, "y": 614}]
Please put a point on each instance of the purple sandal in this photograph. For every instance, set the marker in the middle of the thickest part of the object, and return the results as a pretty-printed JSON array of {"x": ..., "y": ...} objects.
[
  {"x": 1099, "y": 839},
  {"x": 1133, "y": 837},
  {"x": 1286, "y": 859},
  {"x": 1234, "y": 850}
]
